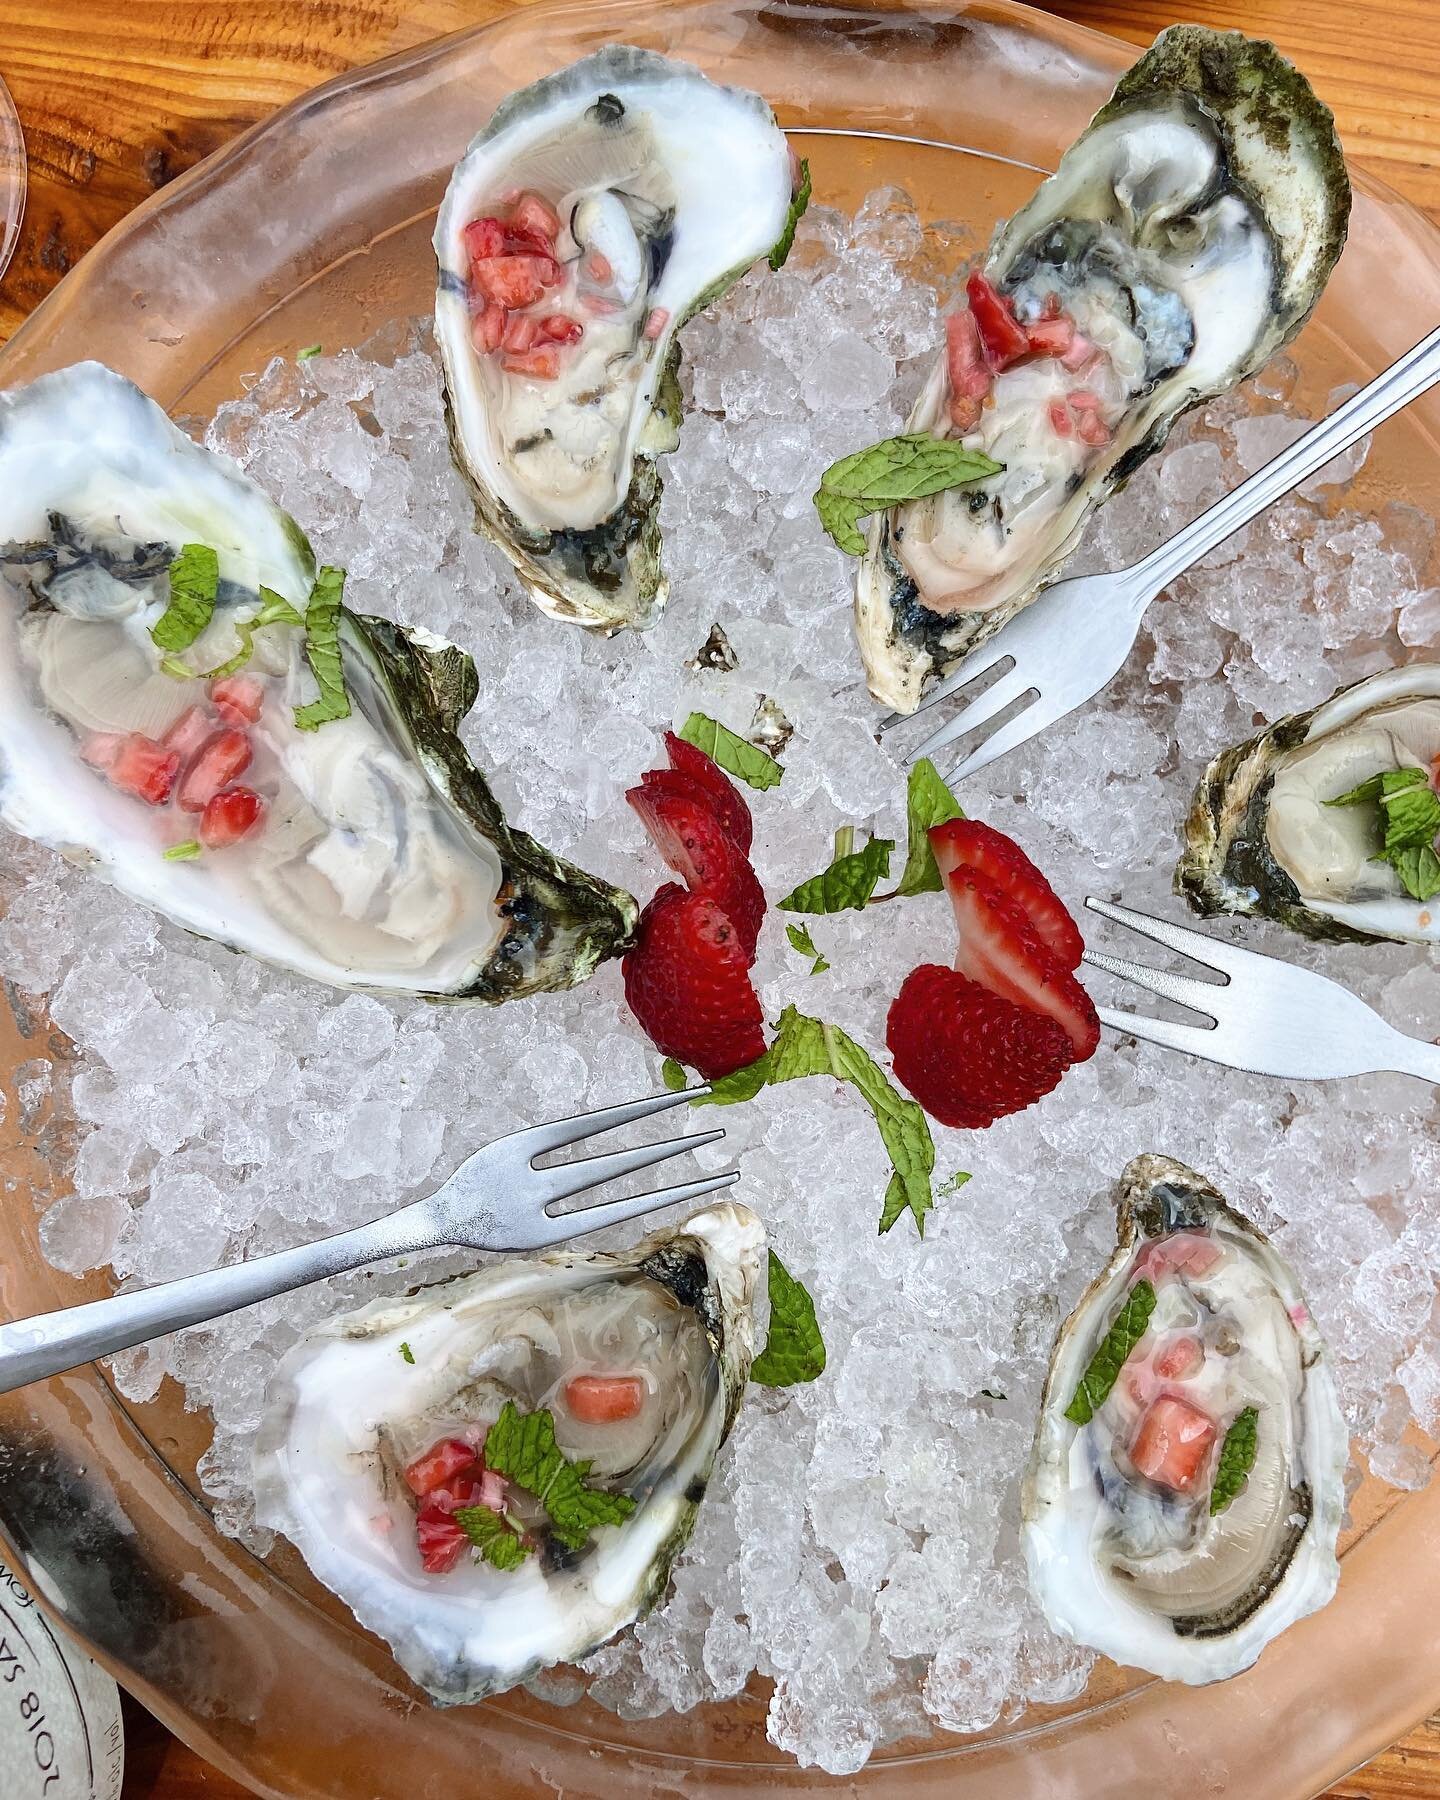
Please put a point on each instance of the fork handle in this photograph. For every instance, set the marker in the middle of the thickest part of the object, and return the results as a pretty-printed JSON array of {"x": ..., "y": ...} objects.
[
  {"x": 1404, "y": 381},
  {"x": 1415, "y": 1056},
  {"x": 49, "y": 1343}
]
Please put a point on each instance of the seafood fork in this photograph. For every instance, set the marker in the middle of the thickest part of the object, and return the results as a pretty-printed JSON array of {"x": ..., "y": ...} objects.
[
  {"x": 1067, "y": 645},
  {"x": 496, "y": 1200},
  {"x": 1263, "y": 1015}
]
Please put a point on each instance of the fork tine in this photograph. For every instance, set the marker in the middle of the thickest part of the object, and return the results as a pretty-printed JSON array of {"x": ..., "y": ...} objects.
[
  {"x": 1019, "y": 730},
  {"x": 976, "y": 713},
  {"x": 1184, "y": 990},
  {"x": 970, "y": 669},
  {"x": 1226, "y": 959},
  {"x": 535, "y": 1140},
  {"x": 1197, "y": 1040},
  {"x": 556, "y": 1228},
  {"x": 574, "y": 1177}
]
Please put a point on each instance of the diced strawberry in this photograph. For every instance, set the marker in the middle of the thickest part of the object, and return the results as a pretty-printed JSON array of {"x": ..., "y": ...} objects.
[
  {"x": 560, "y": 329},
  {"x": 493, "y": 1490},
  {"x": 224, "y": 755},
  {"x": 487, "y": 328},
  {"x": 238, "y": 698},
  {"x": 533, "y": 214},
  {"x": 965, "y": 412},
  {"x": 604, "y": 1399},
  {"x": 440, "y": 1464},
  {"x": 101, "y": 748},
  {"x": 1193, "y": 1252},
  {"x": 1172, "y": 1442},
  {"x": 689, "y": 834},
  {"x": 542, "y": 363},
  {"x": 688, "y": 985},
  {"x": 655, "y": 322},
  {"x": 461, "y": 1490},
  {"x": 1050, "y": 307},
  {"x": 144, "y": 768},
  {"x": 968, "y": 1055},
  {"x": 188, "y": 732},
  {"x": 1080, "y": 355},
  {"x": 1083, "y": 400},
  {"x": 965, "y": 358},
  {"x": 600, "y": 304},
  {"x": 1000, "y": 332},
  {"x": 513, "y": 281},
  {"x": 230, "y": 816},
  {"x": 1001, "y": 949},
  {"x": 1180, "y": 1358},
  {"x": 596, "y": 267},
  {"x": 1050, "y": 337},
  {"x": 729, "y": 802},
  {"x": 484, "y": 238},
  {"x": 520, "y": 333},
  {"x": 1060, "y": 421},
  {"x": 1091, "y": 429},
  {"x": 971, "y": 844},
  {"x": 439, "y": 1539}
]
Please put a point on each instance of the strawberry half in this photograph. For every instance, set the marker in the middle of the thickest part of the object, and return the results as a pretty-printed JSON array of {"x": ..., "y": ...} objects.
[
  {"x": 968, "y": 1055},
  {"x": 688, "y": 833},
  {"x": 687, "y": 982},
  {"x": 729, "y": 803},
  {"x": 969, "y": 844},
  {"x": 1001, "y": 949}
]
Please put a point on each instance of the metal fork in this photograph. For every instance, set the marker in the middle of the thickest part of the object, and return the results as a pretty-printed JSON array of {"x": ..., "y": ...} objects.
[
  {"x": 1070, "y": 642},
  {"x": 496, "y": 1200},
  {"x": 1263, "y": 1015}
]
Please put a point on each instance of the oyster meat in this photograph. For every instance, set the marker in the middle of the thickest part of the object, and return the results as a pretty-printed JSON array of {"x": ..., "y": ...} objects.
[
  {"x": 358, "y": 1409},
  {"x": 365, "y": 850},
  {"x": 1184, "y": 238},
  {"x": 1183, "y": 1516},
  {"x": 1264, "y": 837},
  {"x": 595, "y": 213}
]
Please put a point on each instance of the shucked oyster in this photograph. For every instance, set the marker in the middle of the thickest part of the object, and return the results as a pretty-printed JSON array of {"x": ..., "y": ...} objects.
[
  {"x": 592, "y": 216},
  {"x": 1265, "y": 835},
  {"x": 1185, "y": 237},
  {"x": 378, "y": 1426},
  {"x": 1185, "y": 1490},
  {"x": 364, "y": 850}
]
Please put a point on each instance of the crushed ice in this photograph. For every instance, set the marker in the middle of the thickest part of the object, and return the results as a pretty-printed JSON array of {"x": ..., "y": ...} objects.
[{"x": 860, "y": 1544}]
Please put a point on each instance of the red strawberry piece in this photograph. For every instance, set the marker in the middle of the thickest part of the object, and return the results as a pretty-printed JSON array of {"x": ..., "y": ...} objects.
[
  {"x": 188, "y": 732},
  {"x": 1050, "y": 337},
  {"x": 224, "y": 755},
  {"x": 1001, "y": 333},
  {"x": 512, "y": 281},
  {"x": 439, "y": 1540},
  {"x": 689, "y": 835},
  {"x": 440, "y": 1464},
  {"x": 464, "y": 1490},
  {"x": 230, "y": 816},
  {"x": 729, "y": 803},
  {"x": 560, "y": 329},
  {"x": 101, "y": 748},
  {"x": 687, "y": 982},
  {"x": 520, "y": 332},
  {"x": 542, "y": 363},
  {"x": 969, "y": 844},
  {"x": 143, "y": 768},
  {"x": 238, "y": 698},
  {"x": 487, "y": 327},
  {"x": 484, "y": 238},
  {"x": 534, "y": 215},
  {"x": 965, "y": 357},
  {"x": 970, "y": 1056},
  {"x": 1001, "y": 949}
]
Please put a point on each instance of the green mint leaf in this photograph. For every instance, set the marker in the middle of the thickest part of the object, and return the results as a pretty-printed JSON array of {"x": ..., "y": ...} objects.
[
  {"x": 186, "y": 852},
  {"x": 1237, "y": 1458},
  {"x": 733, "y": 753},
  {"x": 1412, "y": 819},
  {"x": 1410, "y": 822},
  {"x": 1419, "y": 871},
  {"x": 952, "y": 1184},
  {"x": 1391, "y": 781},
  {"x": 846, "y": 885},
  {"x": 841, "y": 518},
  {"x": 743, "y": 1084},
  {"x": 801, "y": 941},
  {"x": 407, "y": 1355},
  {"x": 305, "y": 354},
  {"x": 1105, "y": 1365},
  {"x": 492, "y": 1537},
  {"x": 794, "y": 1350},
  {"x": 888, "y": 474},
  {"x": 194, "y": 582},
  {"x": 672, "y": 1075},
  {"x": 322, "y": 652},
  {"x": 523, "y": 1448},
  {"x": 275, "y": 609},
  {"x": 927, "y": 802},
  {"x": 799, "y": 200}
]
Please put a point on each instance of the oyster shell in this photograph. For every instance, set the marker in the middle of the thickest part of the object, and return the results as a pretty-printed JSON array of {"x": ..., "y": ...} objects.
[
  {"x": 346, "y": 1412},
  {"x": 382, "y": 859},
  {"x": 678, "y": 185},
  {"x": 1186, "y": 236},
  {"x": 1260, "y": 840},
  {"x": 1139, "y": 1568}
]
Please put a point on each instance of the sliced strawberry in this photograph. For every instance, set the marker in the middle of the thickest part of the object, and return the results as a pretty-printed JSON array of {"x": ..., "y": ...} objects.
[
  {"x": 484, "y": 238},
  {"x": 513, "y": 281},
  {"x": 1050, "y": 337},
  {"x": 1002, "y": 950},
  {"x": 439, "y": 1539},
  {"x": 520, "y": 333},
  {"x": 144, "y": 768},
  {"x": 965, "y": 412},
  {"x": 1180, "y": 1358},
  {"x": 969, "y": 844},
  {"x": 656, "y": 320},
  {"x": 188, "y": 732},
  {"x": 730, "y": 805},
  {"x": 688, "y": 833},
  {"x": 101, "y": 748},
  {"x": 688, "y": 985},
  {"x": 440, "y": 1464},
  {"x": 965, "y": 363},
  {"x": 542, "y": 363},
  {"x": 1001, "y": 333},
  {"x": 1172, "y": 1442},
  {"x": 967, "y": 1055},
  {"x": 238, "y": 698},
  {"x": 560, "y": 329},
  {"x": 230, "y": 816},
  {"x": 1060, "y": 421},
  {"x": 604, "y": 1399},
  {"x": 224, "y": 755},
  {"x": 463, "y": 1490},
  {"x": 487, "y": 328},
  {"x": 534, "y": 215}
]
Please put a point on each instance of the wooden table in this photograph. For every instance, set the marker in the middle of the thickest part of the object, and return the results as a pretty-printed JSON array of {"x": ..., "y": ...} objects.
[{"x": 119, "y": 96}]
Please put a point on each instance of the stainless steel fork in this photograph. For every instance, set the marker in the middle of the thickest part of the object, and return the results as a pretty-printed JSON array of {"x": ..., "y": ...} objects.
[
  {"x": 1263, "y": 1015},
  {"x": 496, "y": 1200},
  {"x": 1070, "y": 642}
]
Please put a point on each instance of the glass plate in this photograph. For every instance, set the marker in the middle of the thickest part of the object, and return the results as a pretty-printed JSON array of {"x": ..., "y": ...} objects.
[{"x": 314, "y": 227}]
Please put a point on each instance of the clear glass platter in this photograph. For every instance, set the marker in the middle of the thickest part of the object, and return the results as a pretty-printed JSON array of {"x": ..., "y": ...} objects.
[{"x": 315, "y": 227}]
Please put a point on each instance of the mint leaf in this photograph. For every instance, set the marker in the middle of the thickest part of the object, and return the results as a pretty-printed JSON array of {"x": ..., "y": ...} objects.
[
  {"x": 733, "y": 753},
  {"x": 846, "y": 885},
  {"x": 186, "y": 852},
  {"x": 672, "y": 1075},
  {"x": 305, "y": 354},
  {"x": 194, "y": 583},
  {"x": 743, "y": 1084},
  {"x": 794, "y": 1350},
  {"x": 927, "y": 802},
  {"x": 1410, "y": 821},
  {"x": 523, "y": 1448},
  {"x": 407, "y": 1355},
  {"x": 1105, "y": 1365},
  {"x": 801, "y": 941},
  {"x": 1412, "y": 818},
  {"x": 1390, "y": 781},
  {"x": 888, "y": 474},
  {"x": 275, "y": 609},
  {"x": 1237, "y": 1458},
  {"x": 799, "y": 200},
  {"x": 1419, "y": 871},
  {"x": 952, "y": 1184},
  {"x": 492, "y": 1537},
  {"x": 322, "y": 652}
]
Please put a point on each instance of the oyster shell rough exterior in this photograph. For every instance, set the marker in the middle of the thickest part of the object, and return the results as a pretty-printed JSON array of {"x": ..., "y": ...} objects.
[
  {"x": 695, "y": 180},
  {"x": 1191, "y": 229},
  {"x": 1260, "y": 840},
  {"x": 346, "y": 1409},
  {"x": 385, "y": 861},
  {"x": 1155, "y": 1579}
]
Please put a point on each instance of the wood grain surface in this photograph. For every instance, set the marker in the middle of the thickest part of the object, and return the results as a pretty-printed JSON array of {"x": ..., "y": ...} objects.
[{"x": 117, "y": 97}]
